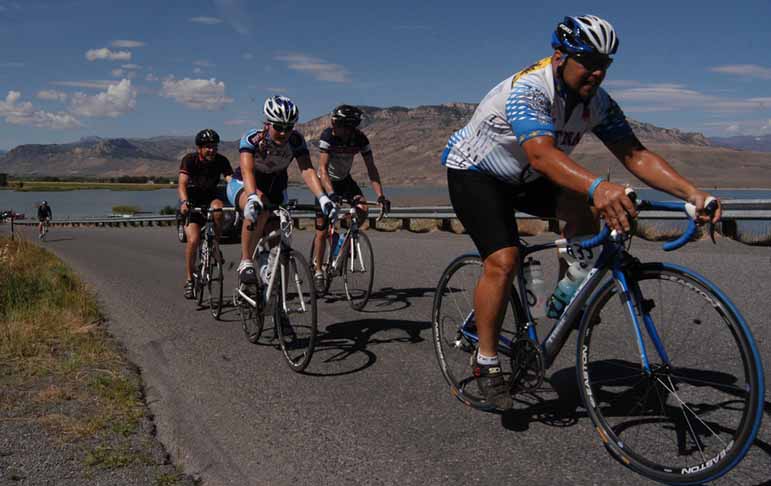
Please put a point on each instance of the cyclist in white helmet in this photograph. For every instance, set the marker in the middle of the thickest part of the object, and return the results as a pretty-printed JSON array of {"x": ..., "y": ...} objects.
[
  {"x": 513, "y": 155},
  {"x": 262, "y": 176}
]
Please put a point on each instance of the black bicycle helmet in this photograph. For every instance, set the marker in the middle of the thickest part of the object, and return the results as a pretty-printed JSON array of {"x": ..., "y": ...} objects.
[
  {"x": 207, "y": 136},
  {"x": 346, "y": 115}
]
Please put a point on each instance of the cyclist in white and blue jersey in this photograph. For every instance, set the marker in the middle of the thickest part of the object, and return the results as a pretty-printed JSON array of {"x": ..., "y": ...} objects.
[
  {"x": 514, "y": 155},
  {"x": 262, "y": 176}
]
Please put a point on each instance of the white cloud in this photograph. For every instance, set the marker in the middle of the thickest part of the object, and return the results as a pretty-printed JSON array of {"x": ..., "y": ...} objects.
[
  {"x": 128, "y": 44},
  {"x": 151, "y": 77},
  {"x": 118, "y": 73},
  {"x": 93, "y": 84},
  {"x": 131, "y": 66},
  {"x": 742, "y": 127},
  {"x": 107, "y": 54},
  {"x": 201, "y": 94},
  {"x": 233, "y": 11},
  {"x": 206, "y": 20},
  {"x": 248, "y": 56},
  {"x": 197, "y": 70},
  {"x": 11, "y": 64},
  {"x": 318, "y": 68},
  {"x": 277, "y": 90},
  {"x": 671, "y": 97},
  {"x": 746, "y": 70},
  {"x": 119, "y": 98},
  {"x": 25, "y": 114},
  {"x": 202, "y": 63},
  {"x": 52, "y": 95}
]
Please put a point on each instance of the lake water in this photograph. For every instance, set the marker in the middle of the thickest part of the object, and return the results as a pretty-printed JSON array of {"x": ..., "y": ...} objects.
[{"x": 73, "y": 204}]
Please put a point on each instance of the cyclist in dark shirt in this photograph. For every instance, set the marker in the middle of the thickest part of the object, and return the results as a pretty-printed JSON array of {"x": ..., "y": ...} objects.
[
  {"x": 199, "y": 175},
  {"x": 44, "y": 215},
  {"x": 338, "y": 144}
]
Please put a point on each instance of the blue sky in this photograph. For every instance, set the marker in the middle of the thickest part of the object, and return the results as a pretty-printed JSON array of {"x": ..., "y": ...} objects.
[{"x": 74, "y": 68}]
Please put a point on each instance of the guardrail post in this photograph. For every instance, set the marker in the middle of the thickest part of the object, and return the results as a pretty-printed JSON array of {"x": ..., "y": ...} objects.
[{"x": 728, "y": 228}]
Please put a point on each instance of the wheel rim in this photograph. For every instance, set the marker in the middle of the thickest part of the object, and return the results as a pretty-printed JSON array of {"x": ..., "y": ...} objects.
[
  {"x": 359, "y": 271},
  {"x": 295, "y": 318},
  {"x": 683, "y": 420}
]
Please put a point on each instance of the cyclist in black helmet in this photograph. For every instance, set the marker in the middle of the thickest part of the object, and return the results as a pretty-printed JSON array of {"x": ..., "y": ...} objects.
[
  {"x": 44, "y": 215},
  {"x": 199, "y": 175},
  {"x": 338, "y": 144}
]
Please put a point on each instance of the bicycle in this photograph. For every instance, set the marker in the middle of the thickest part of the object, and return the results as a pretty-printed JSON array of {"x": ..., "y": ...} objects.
[
  {"x": 665, "y": 399},
  {"x": 284, "y": 290},
  {"x": 354, "y": 260},
  {"x": 207, "y": 271},
  {"x": 46, "y": 223}
]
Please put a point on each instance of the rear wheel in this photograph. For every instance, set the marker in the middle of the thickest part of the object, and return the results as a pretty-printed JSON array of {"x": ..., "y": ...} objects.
[
  {"x": 251, "y": 315},
  {"x": 454, "y": 329},
  {"x": 692, "y": 416},
  {"x": 294, "y": 311},
  {"x": 358, "y": 270}
]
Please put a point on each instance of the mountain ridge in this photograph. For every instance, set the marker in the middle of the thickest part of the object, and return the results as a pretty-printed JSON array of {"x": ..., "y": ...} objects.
[{"x": 399, "y": 135}]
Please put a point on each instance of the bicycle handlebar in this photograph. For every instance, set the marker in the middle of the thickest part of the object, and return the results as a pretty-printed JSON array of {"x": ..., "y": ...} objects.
[{"x": 671, "y": 206}]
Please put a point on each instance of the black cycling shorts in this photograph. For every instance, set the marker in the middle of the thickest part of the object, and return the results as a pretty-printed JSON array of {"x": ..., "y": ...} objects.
[
  {"x": 345, "y": 188},
  {"x": 203, "y": 199},
  {"x": 486, "y": 206}
]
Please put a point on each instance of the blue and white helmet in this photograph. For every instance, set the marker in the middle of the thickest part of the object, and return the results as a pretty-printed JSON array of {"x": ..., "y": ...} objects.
[
  {"x": 585, "y": 34},
  {"x": 280, "y": 109}
]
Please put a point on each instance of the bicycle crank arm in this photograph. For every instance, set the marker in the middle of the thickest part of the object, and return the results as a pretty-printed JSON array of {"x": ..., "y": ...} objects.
[{"x": 246, "y": 297}]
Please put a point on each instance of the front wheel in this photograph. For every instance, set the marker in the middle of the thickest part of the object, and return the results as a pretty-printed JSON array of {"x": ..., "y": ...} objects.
[
  {"x": 199, "y": 274},
  {"x": 294, "y": 312},
  {"x": 358, "y": 270},
  {"x": 693, "y": 414},
  {"x": 216, "y": 281}
]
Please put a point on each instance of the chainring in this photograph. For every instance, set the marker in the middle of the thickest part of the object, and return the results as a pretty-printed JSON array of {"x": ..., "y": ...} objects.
[{"x": 527, "y": 371}]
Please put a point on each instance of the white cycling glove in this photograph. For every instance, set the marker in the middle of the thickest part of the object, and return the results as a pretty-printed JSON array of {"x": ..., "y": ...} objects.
[
  {"x": 253, "y": 207},
  {"x": 328, "y": 207}
]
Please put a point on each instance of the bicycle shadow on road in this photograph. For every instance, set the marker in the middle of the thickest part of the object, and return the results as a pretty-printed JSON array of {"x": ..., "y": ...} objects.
[
  {"x": 387, "y": 299},
  {"x": 345, "y": 347}
]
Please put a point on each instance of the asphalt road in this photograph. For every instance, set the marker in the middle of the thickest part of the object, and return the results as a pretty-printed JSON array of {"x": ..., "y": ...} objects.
[{"x": 373, "y": 407}]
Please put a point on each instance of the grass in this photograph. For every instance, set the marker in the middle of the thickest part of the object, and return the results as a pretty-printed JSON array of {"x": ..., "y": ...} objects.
[
  {"x": 54, "y": 351},
  {"x": 125, "y": 209},
  {"x": 48, "y": 186}
]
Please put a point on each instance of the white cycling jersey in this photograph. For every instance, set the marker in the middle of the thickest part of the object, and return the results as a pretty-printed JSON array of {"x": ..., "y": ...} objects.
[{"x": 529, "y": 104}]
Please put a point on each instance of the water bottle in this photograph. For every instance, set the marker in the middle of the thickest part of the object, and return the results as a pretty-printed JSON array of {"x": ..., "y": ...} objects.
[
  {"x": 267, "y": 260},
  {"x": 536, "y": 290},
  {"x": 338, "y": 243},
  {"x": 566, "y": 288}
]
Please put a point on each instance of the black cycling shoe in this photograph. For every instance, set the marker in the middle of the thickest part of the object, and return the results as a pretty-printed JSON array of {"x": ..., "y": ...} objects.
[
  {"x": 318, "y": 281},
  {"x": 189, "y": 290},
  {"x": 247, "y": 274},
  {"x": 492, "y": 384}
]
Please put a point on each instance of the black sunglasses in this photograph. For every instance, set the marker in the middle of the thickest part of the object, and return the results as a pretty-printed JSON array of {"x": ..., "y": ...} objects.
[
  {"x": 283, "y": 127},
  {"x": 593, "y": 62}
]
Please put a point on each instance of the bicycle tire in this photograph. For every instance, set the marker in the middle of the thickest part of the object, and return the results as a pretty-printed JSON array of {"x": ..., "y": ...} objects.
[
  {"x": 216, "y": 283},
  {"x": 252, "y": 319},
  {"x": 662, "y": 424},
  {"x": 296, "y": 296},
  {"x": 453, "y": 305},
  {"x": 358, "y": 293},
  {"x": 198, "y": 276}
]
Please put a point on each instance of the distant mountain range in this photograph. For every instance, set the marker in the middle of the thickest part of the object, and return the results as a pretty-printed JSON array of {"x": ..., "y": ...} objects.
[
  {"x": 407, "y": 143},
  {"x": 756, "y": 143}
]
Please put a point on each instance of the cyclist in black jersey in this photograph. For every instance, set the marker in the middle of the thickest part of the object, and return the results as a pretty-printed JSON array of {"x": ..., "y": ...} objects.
[
  {"x": 338, "y": 144},
  {"x": 199, "y": 175}
]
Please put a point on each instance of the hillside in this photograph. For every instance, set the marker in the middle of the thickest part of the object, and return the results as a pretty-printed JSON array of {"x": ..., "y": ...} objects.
[
  {"x": 757, "y": 143},
  {"x": 407, "y": 143}
]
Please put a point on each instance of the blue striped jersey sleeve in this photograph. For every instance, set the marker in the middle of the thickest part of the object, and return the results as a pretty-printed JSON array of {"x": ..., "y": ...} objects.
[
  {"x": 247, "y": 141},
  {"x": 528, "y": 111}
]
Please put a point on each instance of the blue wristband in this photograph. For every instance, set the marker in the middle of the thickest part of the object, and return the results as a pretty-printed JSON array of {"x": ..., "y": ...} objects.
[{"x": 593, "y": 187}]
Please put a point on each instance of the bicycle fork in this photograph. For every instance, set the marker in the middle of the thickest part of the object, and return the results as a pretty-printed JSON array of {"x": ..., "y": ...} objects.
[{"x": 632, "y": 299}]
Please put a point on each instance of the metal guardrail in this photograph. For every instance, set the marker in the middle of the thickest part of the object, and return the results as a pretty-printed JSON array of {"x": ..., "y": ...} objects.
[{"x": 733, "y": 210}]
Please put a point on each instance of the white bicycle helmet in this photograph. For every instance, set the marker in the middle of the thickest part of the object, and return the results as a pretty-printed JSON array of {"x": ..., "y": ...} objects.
[
  {"x": 585, "y": 34},
  {"x": 280, "y": 109}
]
